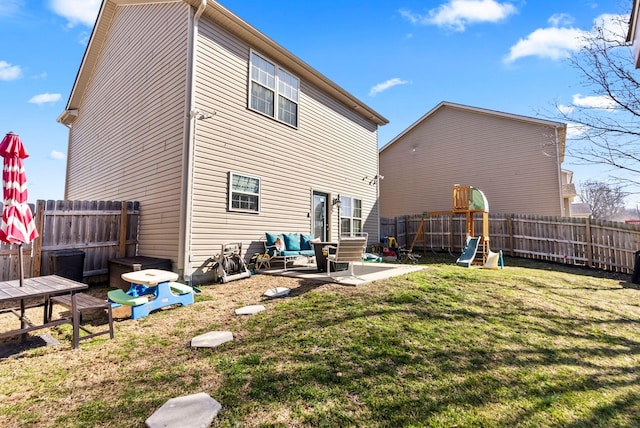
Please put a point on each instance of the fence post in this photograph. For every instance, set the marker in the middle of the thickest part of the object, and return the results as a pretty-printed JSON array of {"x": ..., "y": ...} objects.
[
  {"x": 510, "y": 231},
  {"x": 122, "y": 251},
  {"x": 395, "y": 228},
  {"x": 588, "y": 242},
  {"x": 37, "y": 244},
  {"x": 451, "y": 234}
]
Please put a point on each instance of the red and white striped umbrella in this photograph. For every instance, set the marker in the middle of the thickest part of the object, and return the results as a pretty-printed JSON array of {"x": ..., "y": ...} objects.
[{"x": 17, "y": 221}]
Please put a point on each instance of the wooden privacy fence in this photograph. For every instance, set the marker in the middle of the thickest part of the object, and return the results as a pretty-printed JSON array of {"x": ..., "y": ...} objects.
[
  {"x": 103, "y": 230},
  {"x": 595, "y": 243}
]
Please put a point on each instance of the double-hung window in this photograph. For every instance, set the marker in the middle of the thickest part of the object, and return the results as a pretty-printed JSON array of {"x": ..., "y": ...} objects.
[
  {"x": 244, "y": 193},
  {"x": 350, "y": 216},
  {"x": 273, "y": 91}
]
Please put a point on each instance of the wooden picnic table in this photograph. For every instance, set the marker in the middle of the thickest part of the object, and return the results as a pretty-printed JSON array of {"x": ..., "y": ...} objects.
[{"x": 40, "y": 287}]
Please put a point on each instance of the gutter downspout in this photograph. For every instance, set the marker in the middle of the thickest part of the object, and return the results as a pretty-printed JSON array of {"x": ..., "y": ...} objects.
[
  {"x": 562, "y": 210},
  {"x": 68, "y": 152},
  {"x": 189, "y": 152},
  {"x": 378, "y": 182}
]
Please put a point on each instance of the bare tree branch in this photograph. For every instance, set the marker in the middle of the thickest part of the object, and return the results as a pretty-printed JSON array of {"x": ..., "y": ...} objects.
[
  {"x": 605, "y": 129},
  {"x": 606, "y": 201}
]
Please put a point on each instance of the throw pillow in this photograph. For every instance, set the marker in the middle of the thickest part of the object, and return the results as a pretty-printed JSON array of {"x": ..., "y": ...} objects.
[
  {"x": 271, "y": 238},
  {"x": 292, "y": 241},
  {"x": 305, "y": 242},
  {"x": 280, "y": 245}
]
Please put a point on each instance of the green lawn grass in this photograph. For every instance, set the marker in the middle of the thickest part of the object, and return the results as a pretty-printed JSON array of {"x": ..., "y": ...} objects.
[{"x": 533, "y": 345}]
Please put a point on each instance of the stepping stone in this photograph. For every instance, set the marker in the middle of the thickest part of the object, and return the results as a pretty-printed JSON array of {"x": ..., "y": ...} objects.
[
  {"x": 277, "y": 292},
  {"x": 211, "y": 339},
  {"x": 197, "y": 410},
  {"x": 250, "y": 310}
]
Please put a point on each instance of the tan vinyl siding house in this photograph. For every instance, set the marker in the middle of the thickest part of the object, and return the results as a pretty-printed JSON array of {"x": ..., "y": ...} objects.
[
  {"x": 160, "y": 113},
  {"x": 514, "y": 160}
]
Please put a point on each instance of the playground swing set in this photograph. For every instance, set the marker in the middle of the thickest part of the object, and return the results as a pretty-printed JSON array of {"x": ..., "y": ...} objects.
[{"x": 468, "y": 201}]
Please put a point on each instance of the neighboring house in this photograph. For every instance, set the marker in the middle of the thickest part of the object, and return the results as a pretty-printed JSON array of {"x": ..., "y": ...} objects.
[
  {"x": 568, "y": 191},
  {"x": 633, "y": 35},
  {"x": 580, "y": 210},
  {"x": 219, "y": 132},
  {"x": 514, "y": 160}
]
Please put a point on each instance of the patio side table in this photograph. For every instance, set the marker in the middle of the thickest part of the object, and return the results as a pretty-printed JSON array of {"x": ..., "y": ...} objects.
[{"x": 321, "y": 258}]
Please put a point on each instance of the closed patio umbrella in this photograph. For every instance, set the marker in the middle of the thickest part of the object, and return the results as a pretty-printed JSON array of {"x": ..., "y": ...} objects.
[{"x": 17, "y": 225}]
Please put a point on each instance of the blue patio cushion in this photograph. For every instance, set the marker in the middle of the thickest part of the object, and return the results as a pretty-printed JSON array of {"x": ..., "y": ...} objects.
[
  {"x": 297, "y": 253},
  {"x": 271, "y": 242},
  {"x": 292, "y": 241},
  {"x": 289, "y": 253},
  {"x": 271, "y": 238},
  {"x": 305, "y": 241}
]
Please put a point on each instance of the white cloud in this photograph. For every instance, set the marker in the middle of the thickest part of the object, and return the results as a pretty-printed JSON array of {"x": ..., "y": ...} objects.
[
  {"x": 602, "y": 102},
  {"x": 84, "y": 38},
  {"x": 381, "y": 87},
  {"x": 9, "y": 72},
  {"x": 82, "y": 12},
  {"x": 560, "y": 40},
  {"x": 457, "y": 14},
  {"x": 576, "y": 130},
  {"x": 553, "y": 43},
  {"x": 560, "y": 19},
  {"x": 57, "y": 155},
  {"x": 565, "y": 109},
  {"x": 615, "y": 27},
  {"x": 10, "y": 7},
  {"x": 44, "y": 98}
]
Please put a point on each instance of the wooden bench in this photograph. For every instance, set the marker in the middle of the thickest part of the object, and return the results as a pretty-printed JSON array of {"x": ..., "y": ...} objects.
[{"x": 84, "y": 302}]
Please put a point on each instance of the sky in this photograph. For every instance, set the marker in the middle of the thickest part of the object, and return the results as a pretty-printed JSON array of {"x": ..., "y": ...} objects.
[{"x": 400, "y": 57}]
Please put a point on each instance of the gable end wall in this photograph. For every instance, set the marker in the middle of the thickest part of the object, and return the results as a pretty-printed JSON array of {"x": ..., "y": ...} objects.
[
  {"x": 127, "y": 141},
  {"x": 515, "y": 164}
]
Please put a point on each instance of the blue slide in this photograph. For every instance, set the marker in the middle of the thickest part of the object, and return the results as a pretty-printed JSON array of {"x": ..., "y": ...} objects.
[{"x": 469, "y": 252}]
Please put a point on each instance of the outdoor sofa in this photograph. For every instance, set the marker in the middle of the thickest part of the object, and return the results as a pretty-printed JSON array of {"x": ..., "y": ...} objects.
[{"x": 288, "y": 247}]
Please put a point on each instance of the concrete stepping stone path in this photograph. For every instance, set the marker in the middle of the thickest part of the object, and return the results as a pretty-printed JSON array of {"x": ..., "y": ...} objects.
[
  {"x": 277, "y": 292},
  {"x": 250, "y": 310},
  {"x": 189, "y": 411},
  {"x": 211, "y": 339}
]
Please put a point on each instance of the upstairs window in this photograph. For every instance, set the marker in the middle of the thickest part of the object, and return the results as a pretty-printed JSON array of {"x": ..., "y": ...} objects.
[
  {"x": 273, "y": 91},
  {"x": 244, "y": 193}
]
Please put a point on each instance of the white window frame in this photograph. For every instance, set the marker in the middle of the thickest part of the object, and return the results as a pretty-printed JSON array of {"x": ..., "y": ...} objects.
[
  {"x": 231, "y": 191},
  {"x": 347, "y": 212},
  {"x": 280, "y": 89}
]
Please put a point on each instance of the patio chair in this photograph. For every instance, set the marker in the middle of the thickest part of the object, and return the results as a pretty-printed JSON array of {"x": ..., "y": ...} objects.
[{"x": 348, "y": 250}]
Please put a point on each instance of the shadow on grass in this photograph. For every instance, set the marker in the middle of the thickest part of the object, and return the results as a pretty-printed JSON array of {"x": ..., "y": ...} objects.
[
  {"x": 17, "y": 346},
  {"x": 433, "y": 355}
]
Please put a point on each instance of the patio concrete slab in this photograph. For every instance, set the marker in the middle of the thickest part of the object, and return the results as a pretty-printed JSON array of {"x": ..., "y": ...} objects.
[
  {"x": 211, "y": 339},
  {"x": 250, "y": 310},
  {"x": 196, "y": 410},
  {"x": 364, "y": 273}
]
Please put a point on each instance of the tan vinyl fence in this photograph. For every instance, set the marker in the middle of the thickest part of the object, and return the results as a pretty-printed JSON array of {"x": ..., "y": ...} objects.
[
  {"x": 601, "y": 244},
  {"x": 103, "y": 230}
]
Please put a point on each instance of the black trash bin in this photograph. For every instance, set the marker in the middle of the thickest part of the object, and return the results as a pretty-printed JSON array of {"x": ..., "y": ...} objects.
[
  {"x": 635, "y": 278},
  {"x": 68, "y": 264},
  {"x": 127, "y": 264}
]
